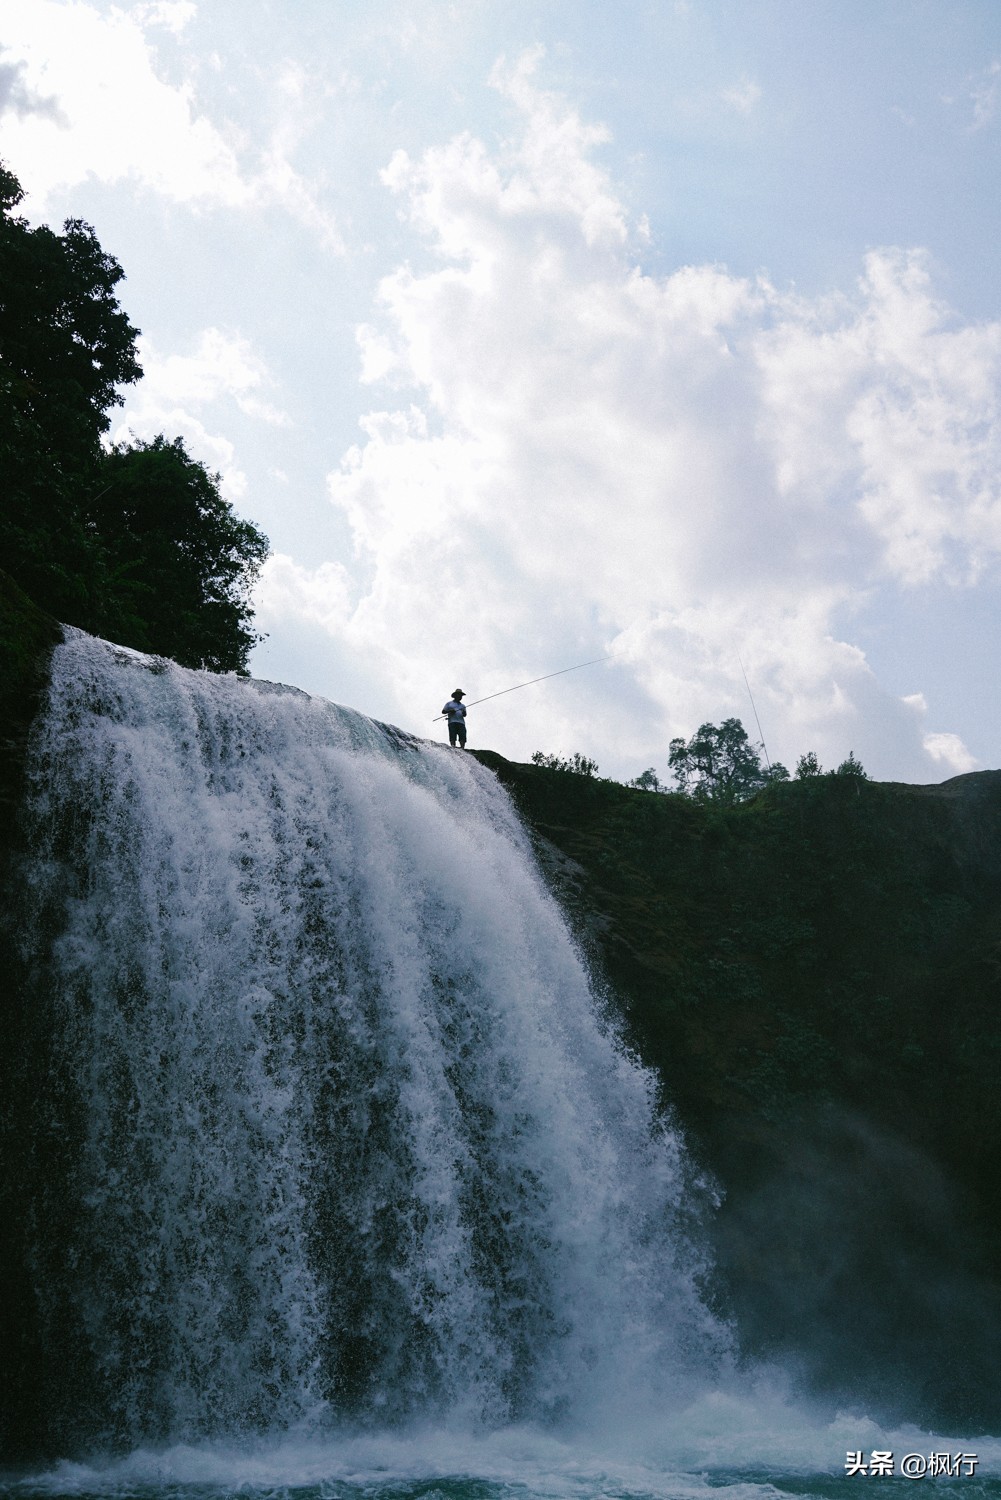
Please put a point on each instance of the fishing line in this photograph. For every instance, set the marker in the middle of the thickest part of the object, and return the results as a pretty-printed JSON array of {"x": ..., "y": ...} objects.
[
  {"x": 755, "y": 711},
  {"x": 546, "y": 678}
]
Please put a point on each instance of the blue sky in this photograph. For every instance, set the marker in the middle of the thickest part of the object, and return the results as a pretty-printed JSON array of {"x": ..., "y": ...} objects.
[{"x": 535, "y": 332}]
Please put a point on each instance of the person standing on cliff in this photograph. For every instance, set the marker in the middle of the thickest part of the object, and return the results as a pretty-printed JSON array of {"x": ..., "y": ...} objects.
[{"x": 455, "y": 713}]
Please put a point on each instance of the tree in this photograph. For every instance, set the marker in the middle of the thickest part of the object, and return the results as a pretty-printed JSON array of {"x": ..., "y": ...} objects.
[
  {"x": 65, "y": 348},
  {"x": 181, "y": 562},
  {"x": 719, "y": 764},
  {"x": 577, "y": 765},
  {"x": 135, "y": 543},
  {"x": 852, "y": 767},
  {"x": 648, "y": 781},
  {"x": 808, "y": 765}
]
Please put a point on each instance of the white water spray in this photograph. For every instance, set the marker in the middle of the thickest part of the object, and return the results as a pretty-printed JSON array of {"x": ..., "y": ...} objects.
[{"x": 351, "y": 1142}]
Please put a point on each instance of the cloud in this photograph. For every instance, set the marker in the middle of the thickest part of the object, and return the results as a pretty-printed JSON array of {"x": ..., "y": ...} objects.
[
  {"x": 950, "y": 750},
  {"x": 742, "y": 96},
  {"x": 946, "y": 750},
  {"x": 178, "y": 392},
  {"x": 172, "y": 15},
  {"x": 16, "y": 97},
  {"x": 286, "y": 590},
  {"x": 121, "y": 120},
  {"x": 222, "y": 365},
  {"x": 578, "y": 456},
  {"x": 885, "y": 402},
  {"x": 984, "y": 96},
  {"x": 114, "y": 117}
]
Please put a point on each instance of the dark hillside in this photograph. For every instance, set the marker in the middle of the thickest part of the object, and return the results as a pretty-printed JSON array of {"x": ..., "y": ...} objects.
[{"x": 815, "y": 976}]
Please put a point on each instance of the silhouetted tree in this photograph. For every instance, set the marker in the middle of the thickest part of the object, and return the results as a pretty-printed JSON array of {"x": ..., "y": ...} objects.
[
  {"x": 808, "y": 765},
  {"x": 577, "y": 764},
  {"x": 719, "y": 764},
  {"x": 136, "y": 543},
  {"x": 65, "y": 348},
  {"x": 182, "y": 563},
  {"x": 851, "y": 767},
  {"x": 648, "y": 781}
]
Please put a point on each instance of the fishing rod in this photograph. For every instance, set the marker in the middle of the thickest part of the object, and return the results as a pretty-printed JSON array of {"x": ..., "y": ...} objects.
[
  {"x": 546, "y": 678},
  {"x": 755, "y": 711}
]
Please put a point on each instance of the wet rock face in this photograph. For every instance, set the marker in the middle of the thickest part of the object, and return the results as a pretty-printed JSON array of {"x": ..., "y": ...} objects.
[
  {"x": 816, "y": 976},
  {"x": 27, "y": 637}
]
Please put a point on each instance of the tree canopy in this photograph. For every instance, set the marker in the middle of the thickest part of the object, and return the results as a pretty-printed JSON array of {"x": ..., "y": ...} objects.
[
  {"x": 719, "y": 764},
  {"x": 182, "y": 561},
  {"x": 136, "y": 542},
  {"x": 65, "y": 348}
]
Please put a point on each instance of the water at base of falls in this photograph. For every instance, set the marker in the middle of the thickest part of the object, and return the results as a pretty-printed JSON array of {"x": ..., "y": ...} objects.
[
  {"x": 329, "y": 1177},
  {"x": 754, "y": 1447}
]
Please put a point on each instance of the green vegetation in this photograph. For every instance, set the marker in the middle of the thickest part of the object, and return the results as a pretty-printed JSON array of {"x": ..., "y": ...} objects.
[
  {"x": 813, "y": 974},
  {"x": 719, "y": 764},
  {"x": 648, "y": 781},
  {"x": 135, "y": 543},
  {"x": 576, "y": 765},
  {"x": 182, "y": 560}
]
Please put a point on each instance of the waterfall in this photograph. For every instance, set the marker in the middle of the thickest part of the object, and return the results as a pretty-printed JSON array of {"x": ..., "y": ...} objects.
[{"x": 326, "y": 1122}]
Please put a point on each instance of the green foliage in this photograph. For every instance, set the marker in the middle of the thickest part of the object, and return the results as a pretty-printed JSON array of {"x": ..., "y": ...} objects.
[
  {"x": 11, "y": 192},
  {"x": 750, "y": 940},
  {"x": 577, "y": 765},
  {"x": 65, "y": 348},
  {"x": 648, "y": 781},
  {"x": 851, "y": 767},
  {"x": 136, "y": 543},
  {"x": 182, "y": 561},
  {"x": 808, "y": 765},
  {"x": 719, "y": 764},
  {"x": 814, "y": 976}
]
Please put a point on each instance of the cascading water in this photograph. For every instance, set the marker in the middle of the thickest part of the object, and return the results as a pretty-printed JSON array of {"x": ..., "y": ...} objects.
[{"x": 332, "y": 1133}]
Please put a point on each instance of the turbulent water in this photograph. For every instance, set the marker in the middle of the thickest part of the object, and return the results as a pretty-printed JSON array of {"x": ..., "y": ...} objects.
[{"x": 338, "y": 1181}]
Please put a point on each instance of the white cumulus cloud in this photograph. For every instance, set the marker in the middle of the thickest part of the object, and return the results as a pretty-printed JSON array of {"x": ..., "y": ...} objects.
[
  {"x": 187, "y": 395},
  {"x": 568, "y": 456},
  {"x": 286, "y": 589},
  {"x": 951, "y": 752},
  {"x": 111, "y": 115},
  {"x": 680, "y": 469},
  {"x": 223, "y": 364}
]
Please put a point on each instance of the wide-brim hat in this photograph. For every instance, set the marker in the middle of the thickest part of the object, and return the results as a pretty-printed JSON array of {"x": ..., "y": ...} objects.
[{"x": 458, "y": 693}]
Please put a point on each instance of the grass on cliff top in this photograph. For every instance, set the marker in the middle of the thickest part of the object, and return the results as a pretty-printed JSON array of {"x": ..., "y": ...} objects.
[{"x": 832, "y": 941}]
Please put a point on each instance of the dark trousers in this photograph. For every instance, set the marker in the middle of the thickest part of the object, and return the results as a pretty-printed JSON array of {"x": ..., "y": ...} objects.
[{"x": 457, "y": 731}]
